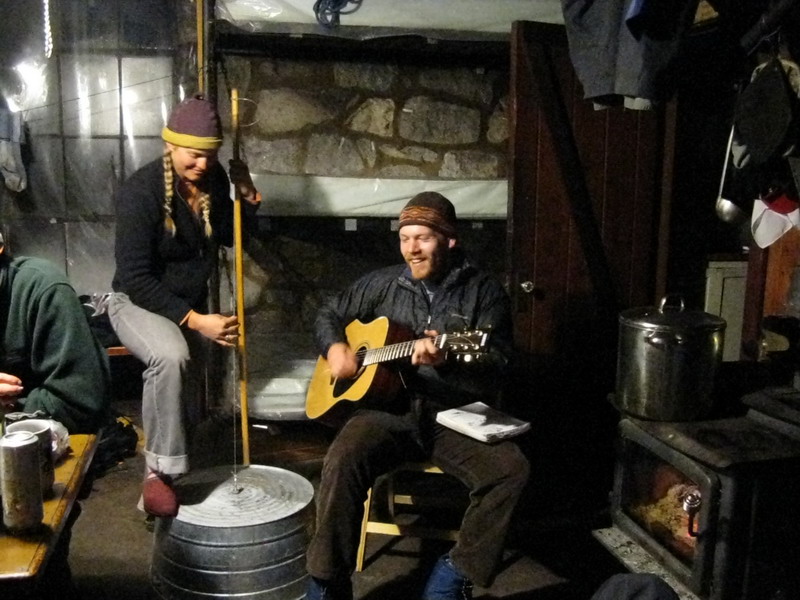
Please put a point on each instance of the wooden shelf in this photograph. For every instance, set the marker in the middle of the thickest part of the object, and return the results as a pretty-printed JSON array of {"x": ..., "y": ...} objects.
[{"x": 22, "y": 557}]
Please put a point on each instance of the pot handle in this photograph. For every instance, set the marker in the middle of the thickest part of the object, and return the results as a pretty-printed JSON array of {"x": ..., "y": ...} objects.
[
  {"x": 665, "y": 338},
  {"x": 663, "y": 303}
]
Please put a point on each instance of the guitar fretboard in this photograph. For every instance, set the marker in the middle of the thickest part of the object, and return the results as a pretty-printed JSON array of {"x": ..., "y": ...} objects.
[{"x": 393, "y": 351}]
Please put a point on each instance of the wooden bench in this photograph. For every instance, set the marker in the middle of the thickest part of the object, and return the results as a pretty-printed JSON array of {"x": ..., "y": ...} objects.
[
  {"x": 118, "y": 351},
  {"x": 22, "y": 558}
]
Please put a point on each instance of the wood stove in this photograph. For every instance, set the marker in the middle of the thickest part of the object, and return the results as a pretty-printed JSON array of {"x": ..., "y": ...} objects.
[{"x": 717, "y": 503}]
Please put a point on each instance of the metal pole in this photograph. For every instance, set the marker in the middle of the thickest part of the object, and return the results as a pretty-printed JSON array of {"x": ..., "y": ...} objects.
[{"x": 237, "y": 245}]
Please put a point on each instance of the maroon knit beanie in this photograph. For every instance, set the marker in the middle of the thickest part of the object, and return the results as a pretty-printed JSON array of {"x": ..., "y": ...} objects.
[
  {"x": 432, "y": 210},
  {"x": 194, "y": 123}
]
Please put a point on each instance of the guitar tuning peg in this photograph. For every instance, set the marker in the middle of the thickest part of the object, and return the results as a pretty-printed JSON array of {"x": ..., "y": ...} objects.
[{"x": 468, "y": 357}]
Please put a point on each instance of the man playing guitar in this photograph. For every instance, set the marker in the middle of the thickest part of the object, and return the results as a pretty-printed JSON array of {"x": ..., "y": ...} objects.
[{"x": 436, "y": 290}]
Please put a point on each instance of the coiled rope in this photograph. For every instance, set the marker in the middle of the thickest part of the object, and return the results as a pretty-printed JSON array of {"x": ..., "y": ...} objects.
[{"x": 328, "y": 11}]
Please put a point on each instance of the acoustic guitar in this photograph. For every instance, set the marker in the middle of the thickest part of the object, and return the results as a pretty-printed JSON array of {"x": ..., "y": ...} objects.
[{"x": 375, "y": 344}]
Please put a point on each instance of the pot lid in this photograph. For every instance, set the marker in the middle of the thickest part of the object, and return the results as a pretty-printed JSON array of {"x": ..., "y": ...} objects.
[{"x": 670, "y": 316}]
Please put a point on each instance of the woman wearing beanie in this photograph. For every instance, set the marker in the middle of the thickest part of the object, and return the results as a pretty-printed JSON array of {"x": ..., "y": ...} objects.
[{"x": 171, "y": 215}]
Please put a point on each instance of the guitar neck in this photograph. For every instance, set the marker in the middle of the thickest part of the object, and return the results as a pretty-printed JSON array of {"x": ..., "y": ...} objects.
[{"x": 395, "y": 351}]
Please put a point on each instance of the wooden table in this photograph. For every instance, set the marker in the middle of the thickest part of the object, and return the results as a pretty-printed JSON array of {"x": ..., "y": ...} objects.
[{"x": 23, "y": 557}]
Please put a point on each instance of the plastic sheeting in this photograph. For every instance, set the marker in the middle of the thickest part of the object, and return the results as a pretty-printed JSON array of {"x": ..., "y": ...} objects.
[
  {"x": 461, "y": 19},
  {"x": 288, "y": 195},
  {"x": 91, "y": 83}
]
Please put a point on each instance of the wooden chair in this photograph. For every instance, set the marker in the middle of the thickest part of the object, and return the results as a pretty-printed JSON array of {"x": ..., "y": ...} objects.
[{"x": 393, "y": 527}]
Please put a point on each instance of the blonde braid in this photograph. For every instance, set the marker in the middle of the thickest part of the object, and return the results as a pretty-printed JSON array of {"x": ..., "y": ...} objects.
[
  {"x": 169, "y": 181},
  {"x": 205, "y": 209}
]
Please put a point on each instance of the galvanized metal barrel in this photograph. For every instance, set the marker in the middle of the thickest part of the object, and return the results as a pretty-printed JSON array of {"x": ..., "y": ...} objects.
[{"x": 242, "y": 536}]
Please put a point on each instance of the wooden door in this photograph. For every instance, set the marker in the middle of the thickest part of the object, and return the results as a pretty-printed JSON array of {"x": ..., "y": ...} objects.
[{"x": 582, "y": 244}]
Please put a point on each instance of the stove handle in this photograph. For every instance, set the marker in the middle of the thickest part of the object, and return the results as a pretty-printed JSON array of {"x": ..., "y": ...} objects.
[{"x": 691, "y": 503}]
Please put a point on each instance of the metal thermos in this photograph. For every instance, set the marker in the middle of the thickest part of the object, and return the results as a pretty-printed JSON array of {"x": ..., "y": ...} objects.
[
  {"x": 42, "y": 430},
  {"x": 20, "y": 482}
]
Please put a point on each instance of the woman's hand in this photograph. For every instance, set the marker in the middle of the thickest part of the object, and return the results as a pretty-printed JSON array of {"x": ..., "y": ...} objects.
[
  {"x": 219, "y": 328},
  {"x": 426, "y": 352},
  {"x": 342, "y": 361},
  {"x": 240, "y": 178},
  {"x": 10, "y": 390}
]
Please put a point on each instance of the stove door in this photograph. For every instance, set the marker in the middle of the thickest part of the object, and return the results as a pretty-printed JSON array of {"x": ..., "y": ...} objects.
[{"x": 667, "y": 502}]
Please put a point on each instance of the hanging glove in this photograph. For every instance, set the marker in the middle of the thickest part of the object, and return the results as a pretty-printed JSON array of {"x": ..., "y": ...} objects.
[{"x": 12, "y": 136}]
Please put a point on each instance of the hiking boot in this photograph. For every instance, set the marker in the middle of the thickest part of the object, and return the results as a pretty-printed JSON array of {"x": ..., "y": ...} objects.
[
  {"x": 322, "y": 589},
  {"x": 158, "y": 495},
  {"x": 447, "y": 583}
]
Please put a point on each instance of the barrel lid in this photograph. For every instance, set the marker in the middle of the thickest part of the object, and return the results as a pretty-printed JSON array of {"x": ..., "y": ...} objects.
[
  {"x": 669, "y": 315},
  {"x": 253, "y": 495}
]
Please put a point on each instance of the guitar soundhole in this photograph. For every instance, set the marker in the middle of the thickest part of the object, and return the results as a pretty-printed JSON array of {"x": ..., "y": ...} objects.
[{"x": 340, "y": 386}]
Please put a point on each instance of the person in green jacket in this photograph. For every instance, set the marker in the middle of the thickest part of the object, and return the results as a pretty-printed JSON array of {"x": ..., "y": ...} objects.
[{"x": 50, "y": 360}]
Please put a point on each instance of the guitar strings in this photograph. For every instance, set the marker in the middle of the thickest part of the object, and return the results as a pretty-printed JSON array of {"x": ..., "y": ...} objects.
[{"x": 391, "y": 352}]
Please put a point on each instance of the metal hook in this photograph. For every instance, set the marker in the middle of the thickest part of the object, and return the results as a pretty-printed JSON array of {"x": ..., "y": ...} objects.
[{"x": 242, "y": 98}]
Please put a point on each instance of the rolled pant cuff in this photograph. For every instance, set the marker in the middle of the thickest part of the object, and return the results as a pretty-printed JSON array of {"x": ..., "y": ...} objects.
[{"x": 167, "y": 465}]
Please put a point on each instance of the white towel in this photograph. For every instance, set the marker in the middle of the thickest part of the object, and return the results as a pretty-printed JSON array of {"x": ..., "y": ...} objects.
[{"x": 768, "y": 225}]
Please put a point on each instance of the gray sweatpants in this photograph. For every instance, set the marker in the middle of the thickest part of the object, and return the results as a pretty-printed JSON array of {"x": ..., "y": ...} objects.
[{"x": 174, "y": 362}]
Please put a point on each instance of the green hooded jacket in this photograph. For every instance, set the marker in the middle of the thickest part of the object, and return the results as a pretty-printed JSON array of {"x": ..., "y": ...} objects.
[{"x": 46, "y": 341}]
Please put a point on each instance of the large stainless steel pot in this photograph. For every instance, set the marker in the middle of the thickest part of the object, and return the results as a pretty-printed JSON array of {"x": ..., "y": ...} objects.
[{"x": 668, "y": 358}]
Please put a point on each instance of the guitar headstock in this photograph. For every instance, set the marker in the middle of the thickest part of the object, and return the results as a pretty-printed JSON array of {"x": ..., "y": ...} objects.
[{"x": 467, "y": 346}]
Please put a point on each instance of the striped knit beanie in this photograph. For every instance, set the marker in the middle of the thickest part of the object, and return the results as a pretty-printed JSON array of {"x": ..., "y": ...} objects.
[
  {"x": 432, "y": 210},
  {"x": 194, "y": 123}
]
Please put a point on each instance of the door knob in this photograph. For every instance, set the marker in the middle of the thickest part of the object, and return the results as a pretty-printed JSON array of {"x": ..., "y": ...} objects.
[{"x": 527, "y": 286}]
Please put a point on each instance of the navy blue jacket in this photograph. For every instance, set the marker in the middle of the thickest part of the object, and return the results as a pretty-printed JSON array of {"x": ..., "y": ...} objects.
[{"x": 467, "y": 298}]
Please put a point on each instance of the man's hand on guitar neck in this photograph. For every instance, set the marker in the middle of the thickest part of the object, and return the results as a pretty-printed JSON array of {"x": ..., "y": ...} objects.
[
  {"x": 342, "y": 361},
  {"x": 426, "y": 352}
]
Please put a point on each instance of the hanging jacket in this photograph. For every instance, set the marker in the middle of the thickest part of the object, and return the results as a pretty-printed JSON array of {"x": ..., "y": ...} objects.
[{"x": 626, "y": 50}]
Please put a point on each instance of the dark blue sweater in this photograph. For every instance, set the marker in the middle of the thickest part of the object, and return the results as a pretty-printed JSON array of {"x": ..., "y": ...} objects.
[{"x": 166, "y": 274}]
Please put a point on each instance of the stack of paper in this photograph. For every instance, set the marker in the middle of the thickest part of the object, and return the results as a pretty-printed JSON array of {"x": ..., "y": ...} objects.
[{"x": 482, "y": 422}]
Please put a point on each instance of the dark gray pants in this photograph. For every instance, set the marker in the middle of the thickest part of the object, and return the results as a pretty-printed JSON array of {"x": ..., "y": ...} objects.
[{"x": 372, "y": 443}]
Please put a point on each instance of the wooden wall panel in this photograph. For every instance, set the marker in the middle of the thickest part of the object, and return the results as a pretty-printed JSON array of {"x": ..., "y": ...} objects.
[
  {"x": 781, "y": 264},
  {"x": 583, "y": 267},
  {"x": 584, "y": 197}
]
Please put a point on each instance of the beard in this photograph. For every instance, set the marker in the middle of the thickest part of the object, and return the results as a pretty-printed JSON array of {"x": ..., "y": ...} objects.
[
  {"x": 420, "y": 270},
  {"x": 431, "y": 267}
]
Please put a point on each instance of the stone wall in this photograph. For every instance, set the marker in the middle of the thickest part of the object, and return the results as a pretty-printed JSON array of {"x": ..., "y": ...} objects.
[{"x": 370, "y": 120}]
